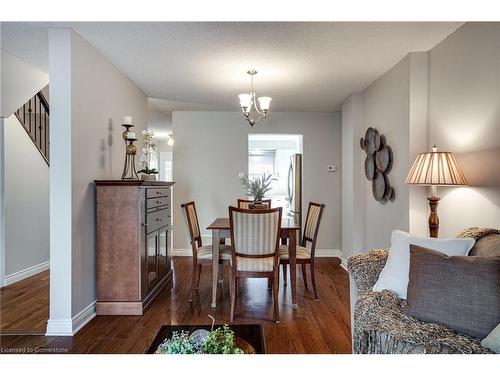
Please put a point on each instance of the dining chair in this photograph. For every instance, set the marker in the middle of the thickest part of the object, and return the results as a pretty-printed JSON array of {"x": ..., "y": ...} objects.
[
  {"x": 202, "y": 255},
  {"x": 243, "y": 203},
  {"x": 305, "y": 255},
  {"x": 255, "y": 249}
]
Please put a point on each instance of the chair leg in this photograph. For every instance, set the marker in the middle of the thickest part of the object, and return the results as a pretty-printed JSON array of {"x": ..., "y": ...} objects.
[
  {"x": 198, "y": 275},
  {"x": 233, "y": 295},
  {"x": 304, "y": 275},
  {"x": 193, "y": 279},
  {"x": 275, "y": 296},
  {"x": 285, "y": 270},
  {"x": 313, "y": 279}
]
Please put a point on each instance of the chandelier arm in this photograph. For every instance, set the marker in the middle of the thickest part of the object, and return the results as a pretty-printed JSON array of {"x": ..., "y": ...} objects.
[
  {"x": 260, "y": 112},
  {"x": 260, "y": 118}
]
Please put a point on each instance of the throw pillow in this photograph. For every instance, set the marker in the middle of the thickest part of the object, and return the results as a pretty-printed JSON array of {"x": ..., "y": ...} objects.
[
  {"x": 394, "y": 275},
  {"x": 487, "y": 246},
  {"x": 492, "y": 341},
  {"x": 461, "y": 292}
]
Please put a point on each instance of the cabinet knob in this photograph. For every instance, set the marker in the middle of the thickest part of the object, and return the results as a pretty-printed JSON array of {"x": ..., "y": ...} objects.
[
  {"x": 158, "y": 202},
  {"x": 158, "y": 192}
]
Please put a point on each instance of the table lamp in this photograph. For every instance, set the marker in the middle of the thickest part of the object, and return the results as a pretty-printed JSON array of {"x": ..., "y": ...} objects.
[{"x": 436, "y": 168}]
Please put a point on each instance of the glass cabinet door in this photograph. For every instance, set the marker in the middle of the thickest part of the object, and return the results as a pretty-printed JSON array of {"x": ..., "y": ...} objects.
[
  {"x": 152, "y": 259},
  {"x": 163, "y": 260}
]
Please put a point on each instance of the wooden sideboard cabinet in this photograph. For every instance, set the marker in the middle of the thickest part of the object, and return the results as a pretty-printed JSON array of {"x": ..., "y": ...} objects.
[{"x": 133, "y": 244}]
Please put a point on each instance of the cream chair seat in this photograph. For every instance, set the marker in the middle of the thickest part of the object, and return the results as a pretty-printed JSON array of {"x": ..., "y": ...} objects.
[
  {"x": 302, "y": 252},
  {"x": 254, "y": 264},
  {"x": 205, "y": 252}
]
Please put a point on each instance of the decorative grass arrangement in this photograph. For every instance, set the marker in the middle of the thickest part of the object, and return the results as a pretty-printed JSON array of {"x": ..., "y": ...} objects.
[{"x": 257, "y": 187}]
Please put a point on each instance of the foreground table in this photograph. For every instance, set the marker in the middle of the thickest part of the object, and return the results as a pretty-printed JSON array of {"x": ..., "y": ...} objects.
[{"x": 220, "y": 229}]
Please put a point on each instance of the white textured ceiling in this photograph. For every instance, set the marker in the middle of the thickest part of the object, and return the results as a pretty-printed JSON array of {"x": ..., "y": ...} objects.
[{"x": 304, "y": 66}]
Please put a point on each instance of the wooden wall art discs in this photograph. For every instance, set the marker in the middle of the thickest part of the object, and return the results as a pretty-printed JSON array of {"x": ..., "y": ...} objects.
[{"x": 378, "y": 164}]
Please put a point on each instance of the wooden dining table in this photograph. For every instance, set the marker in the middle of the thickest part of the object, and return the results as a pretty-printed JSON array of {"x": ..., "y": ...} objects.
[{"x": 220, "y": 230}]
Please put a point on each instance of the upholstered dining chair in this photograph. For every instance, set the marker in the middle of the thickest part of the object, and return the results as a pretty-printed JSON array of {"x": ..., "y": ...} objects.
[
  {"x": 243, "y": 203},
  {"x": 202, "y": 255},
  {"x": 304, "y": 254},
  {"x": 255, "y": 249}
]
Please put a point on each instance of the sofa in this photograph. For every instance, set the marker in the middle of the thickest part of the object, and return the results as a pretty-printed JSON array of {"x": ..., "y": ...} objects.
[{"x": 379, "y": 322}]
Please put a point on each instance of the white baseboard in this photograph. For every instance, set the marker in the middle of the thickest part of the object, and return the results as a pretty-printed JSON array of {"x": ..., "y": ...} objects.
[
  {"x": 27, "y": 272},
  {"x": 83, "y": 317},
  {"x": 328, "y": 253},
  {"x": 59, "y": 327},
  {"x": 343, "y": 263},
  {"x": 320, "y": 253},
  {"x": 182, "y": 252},
  {"x": 69, "y": 327}
]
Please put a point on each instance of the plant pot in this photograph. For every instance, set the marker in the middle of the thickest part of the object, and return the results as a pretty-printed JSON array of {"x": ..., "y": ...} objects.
[
  {"x": 148, "y": 177},
  {"x": 257, "y": 205}
]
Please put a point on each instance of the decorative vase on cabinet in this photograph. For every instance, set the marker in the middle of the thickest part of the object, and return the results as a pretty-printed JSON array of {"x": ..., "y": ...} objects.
[{"x": 133, "y": 244}]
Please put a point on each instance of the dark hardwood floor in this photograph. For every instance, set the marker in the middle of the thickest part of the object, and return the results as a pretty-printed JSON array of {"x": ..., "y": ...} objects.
[
  {"x": 314, "y": 327},
  {"x": 24, "y": 306}
]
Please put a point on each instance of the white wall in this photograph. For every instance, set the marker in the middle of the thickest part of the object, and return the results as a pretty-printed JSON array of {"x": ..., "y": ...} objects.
[
  {"x": 88, "y": 98},
  {"x": 26, "y": 204},
  {"x": 212, "y": 148},
  {"x": 19, "y": 83},
  {"x": 464, "y": 117}
]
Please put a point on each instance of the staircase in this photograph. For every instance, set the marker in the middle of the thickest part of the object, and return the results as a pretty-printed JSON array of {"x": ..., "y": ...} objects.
[{"x": 34, "y": 117}]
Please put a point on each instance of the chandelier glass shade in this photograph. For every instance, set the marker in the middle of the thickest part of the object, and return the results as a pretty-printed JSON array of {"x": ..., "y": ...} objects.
[{"x": 247, "y": 101}]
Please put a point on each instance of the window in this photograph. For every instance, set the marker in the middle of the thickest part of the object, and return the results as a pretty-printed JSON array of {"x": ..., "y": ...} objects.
[
  {"x": 166, "y": 170},
  {"x": 261, "y": 161}
]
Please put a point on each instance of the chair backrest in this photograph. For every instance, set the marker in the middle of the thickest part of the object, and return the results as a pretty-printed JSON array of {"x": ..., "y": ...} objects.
[
  {"x": 311, "y": 227},
  {"x": 192, "y": 223},
  {"x": 255, "y": 233},
  {"x": 246, "y": 204}
]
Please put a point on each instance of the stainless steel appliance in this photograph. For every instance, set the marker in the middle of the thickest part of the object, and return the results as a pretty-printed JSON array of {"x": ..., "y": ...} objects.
[{"x": 295, "y": 188}]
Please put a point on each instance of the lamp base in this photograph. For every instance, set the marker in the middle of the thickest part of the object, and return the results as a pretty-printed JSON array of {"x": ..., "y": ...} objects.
[{"x": 433, "y": 217}]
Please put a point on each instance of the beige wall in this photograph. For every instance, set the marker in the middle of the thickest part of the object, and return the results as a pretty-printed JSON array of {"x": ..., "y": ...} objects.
[
  {"x": 101, "y": 96},
  {"x": 386, "y": 107},
  {"x": 212, "y": 148},
  {"x": 464, "y": 117}
]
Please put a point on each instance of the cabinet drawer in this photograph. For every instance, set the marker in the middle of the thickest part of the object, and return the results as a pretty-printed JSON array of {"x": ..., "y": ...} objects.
[
  {"x": 155, "y": 193},
  {"x": 156, "y": 202},
  {"x": 156, "y": 220}
]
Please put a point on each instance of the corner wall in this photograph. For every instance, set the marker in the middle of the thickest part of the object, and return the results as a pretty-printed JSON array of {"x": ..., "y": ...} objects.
[
  {"x": 449, "y": 96},
  {"x": 88, "y": 98},
  {"x": 396, "y": 105}
]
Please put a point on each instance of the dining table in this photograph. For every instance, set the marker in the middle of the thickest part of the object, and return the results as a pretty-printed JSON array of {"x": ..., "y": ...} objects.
[{"x": 220, "y": 228}]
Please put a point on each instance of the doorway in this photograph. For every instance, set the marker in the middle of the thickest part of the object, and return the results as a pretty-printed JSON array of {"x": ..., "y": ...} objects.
[{"x": 271, "y": 154}]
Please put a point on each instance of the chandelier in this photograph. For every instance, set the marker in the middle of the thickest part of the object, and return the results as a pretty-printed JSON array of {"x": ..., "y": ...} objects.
[{"x": 248, "y": 100}]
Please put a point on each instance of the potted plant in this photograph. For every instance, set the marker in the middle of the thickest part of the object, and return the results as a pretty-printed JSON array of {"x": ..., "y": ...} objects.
[
  {"x": 257, "y": 187},
  {"x": 148, "y": 157},
  {"x": 148, "y": 174},
  {"x": 218, "y": 341}
]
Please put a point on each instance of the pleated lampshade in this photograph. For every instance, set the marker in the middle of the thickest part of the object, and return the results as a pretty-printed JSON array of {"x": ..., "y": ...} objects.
[{"x": 436, "y": 168}]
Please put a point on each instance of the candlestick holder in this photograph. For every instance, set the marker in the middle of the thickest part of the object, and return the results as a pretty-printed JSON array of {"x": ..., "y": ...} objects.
[{"x": 129, "y": 171}]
